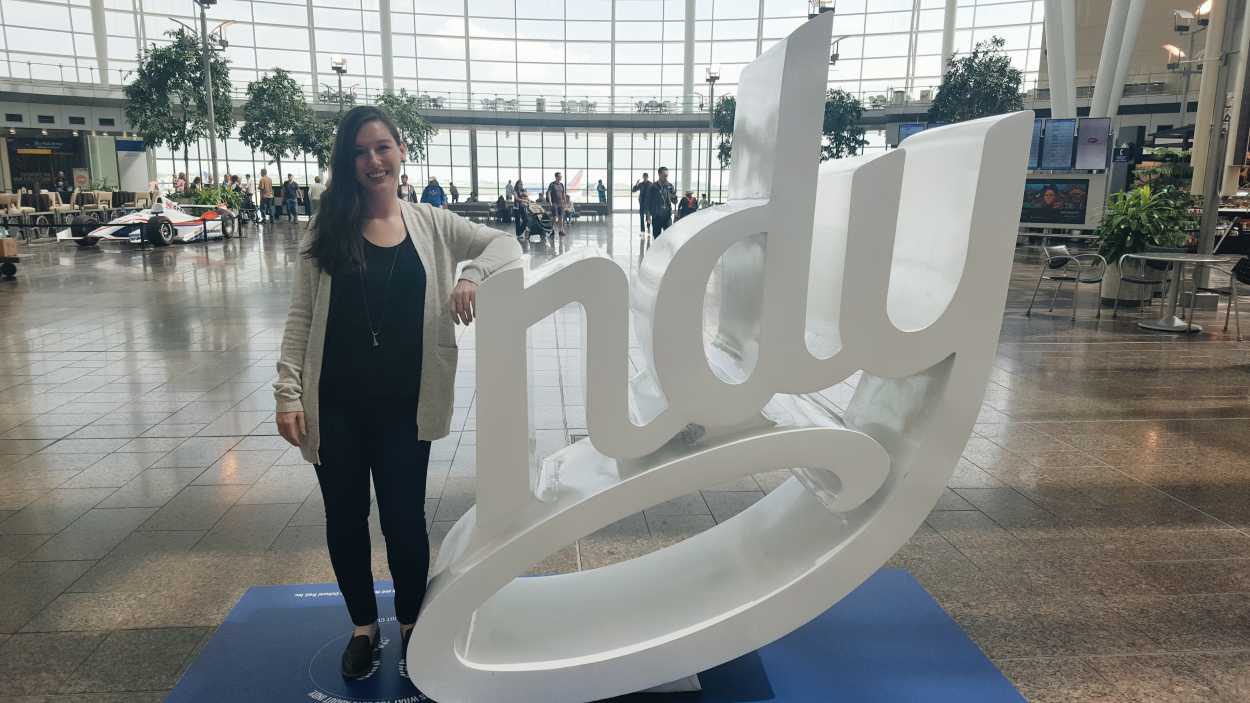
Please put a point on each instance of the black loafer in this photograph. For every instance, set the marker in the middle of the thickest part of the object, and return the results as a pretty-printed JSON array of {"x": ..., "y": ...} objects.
[{"x": 359, "y": 656}]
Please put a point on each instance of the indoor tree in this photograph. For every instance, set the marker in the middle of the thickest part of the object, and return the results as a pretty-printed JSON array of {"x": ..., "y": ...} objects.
[
  {"x": 723, "y": 123},
  {"x": 842, "y": 134},
  {"x": 979, "y": 84},
  {"x": 166, "y": 101},
  {"x": 414, "y": 130},
  {"x": 274, "y": 116},
  {"x": 315, "y": 136}
]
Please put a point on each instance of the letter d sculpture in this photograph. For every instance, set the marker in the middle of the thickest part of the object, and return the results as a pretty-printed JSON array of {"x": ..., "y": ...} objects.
[{"x": 889, "y": 269}]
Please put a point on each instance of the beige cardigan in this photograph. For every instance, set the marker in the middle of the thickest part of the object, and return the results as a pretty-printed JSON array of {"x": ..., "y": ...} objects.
[{"x": 442, "y": 240}]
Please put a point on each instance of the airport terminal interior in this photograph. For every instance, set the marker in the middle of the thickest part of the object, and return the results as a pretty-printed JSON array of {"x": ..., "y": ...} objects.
[{"x": 1093, "y": 540}]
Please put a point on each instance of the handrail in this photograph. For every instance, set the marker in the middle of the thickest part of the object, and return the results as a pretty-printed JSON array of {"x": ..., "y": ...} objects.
[{"x": 80, "y": 80}]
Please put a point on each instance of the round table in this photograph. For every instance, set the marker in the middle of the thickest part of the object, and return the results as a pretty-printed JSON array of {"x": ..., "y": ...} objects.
[{"x": 1169, "y": 322}]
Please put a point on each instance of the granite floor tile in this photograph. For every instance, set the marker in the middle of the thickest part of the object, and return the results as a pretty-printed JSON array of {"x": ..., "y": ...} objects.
[
  {"x": 197, "y": 452},
  {"x": 671, "y": 529},
  {"x": 1157, "y": 679},
  {"x": 195, "y": 508},
  {"x": 54, "y": 511},
  {"x": 1198, "y": 576},
  {"x": 114, "y": 470},
  {"x": 238, "y": 467},
  {"x": 140, "y": 553},
  {"x": 26, "y": 588},
  {"x": 38, "y": 664},
  {"x": 247, "y": 528},
  {"x": 201, "y": 607},
  {"x": 282, "y": 484},
  {"x": 93, "y": 535},
  {"x": 136, "y": 660},
  {"x": 689, "y": 504},
  {"x": 1058, "y": 680},
  {"x": 726, "y": 504},
  {"x": 152, "y": 488}
]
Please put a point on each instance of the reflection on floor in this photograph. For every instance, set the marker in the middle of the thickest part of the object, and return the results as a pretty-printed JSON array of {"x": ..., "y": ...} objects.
[{"x": 1094, "y": 540}]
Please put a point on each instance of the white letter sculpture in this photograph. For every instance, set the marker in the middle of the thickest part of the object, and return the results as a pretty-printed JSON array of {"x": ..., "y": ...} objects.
[{"x": 894, "y": 264}]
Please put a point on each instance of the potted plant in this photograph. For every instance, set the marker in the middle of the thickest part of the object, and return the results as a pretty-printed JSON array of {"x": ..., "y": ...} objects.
[{"x": 1137, "y": 220}]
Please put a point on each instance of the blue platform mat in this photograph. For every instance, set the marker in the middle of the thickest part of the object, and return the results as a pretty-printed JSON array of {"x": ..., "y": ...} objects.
[{"x": 887, "y": 641}]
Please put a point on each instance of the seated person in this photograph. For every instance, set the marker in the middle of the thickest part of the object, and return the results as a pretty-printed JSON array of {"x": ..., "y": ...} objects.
[
  {"x": 503, "y": 212},
  {"x": 687, "y": 205}
]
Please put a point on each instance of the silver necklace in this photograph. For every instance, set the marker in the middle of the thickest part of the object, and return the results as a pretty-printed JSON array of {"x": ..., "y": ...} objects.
[{"x": 364, "y": 292}]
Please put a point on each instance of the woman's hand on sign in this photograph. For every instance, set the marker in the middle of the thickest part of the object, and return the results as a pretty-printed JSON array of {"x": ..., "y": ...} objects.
[{"x": 464, "y": 301}]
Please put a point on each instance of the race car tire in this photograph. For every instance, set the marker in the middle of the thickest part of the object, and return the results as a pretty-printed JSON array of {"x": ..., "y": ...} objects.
[
  {"x": 159, "y": 231},
  {"x": 80, "y": 225}
]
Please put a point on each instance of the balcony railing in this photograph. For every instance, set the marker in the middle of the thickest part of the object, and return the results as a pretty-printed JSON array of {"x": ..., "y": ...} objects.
[{"x": 65, "y": 80}]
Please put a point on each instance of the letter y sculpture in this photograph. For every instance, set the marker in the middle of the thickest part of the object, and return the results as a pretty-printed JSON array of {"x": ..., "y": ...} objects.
[{"x": 889, "y": 269}]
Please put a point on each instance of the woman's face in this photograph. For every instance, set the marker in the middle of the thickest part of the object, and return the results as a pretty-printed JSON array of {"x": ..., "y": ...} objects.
[{"x": 378, "y": 158}]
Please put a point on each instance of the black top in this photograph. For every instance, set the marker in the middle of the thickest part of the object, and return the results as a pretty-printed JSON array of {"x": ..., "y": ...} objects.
[{"x": 353, "y": 369}]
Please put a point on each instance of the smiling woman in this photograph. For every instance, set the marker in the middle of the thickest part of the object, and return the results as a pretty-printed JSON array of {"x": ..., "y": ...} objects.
[{"x": 368, "y": 360}]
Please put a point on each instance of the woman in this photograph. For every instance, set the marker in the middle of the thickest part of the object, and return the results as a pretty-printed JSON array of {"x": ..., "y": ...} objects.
[{"x": 368, "y": 362}]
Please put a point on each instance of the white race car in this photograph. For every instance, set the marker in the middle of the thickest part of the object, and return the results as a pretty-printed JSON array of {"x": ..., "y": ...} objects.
[{"x": 162, "y": 224}]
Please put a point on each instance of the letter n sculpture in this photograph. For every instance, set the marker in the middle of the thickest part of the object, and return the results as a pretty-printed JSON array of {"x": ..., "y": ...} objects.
[{"x": 888, "y": 270}]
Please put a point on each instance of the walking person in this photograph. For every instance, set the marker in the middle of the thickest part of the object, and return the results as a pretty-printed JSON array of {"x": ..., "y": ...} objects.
[
  {"x": 265, "y": 186},
  {"x": 508, "y": 191},
  {"x": 455, "y": 193},
  {"x": 315, "y": 191},
  {"x": 368, "y": 361},
  {"x": 433, "y": 194},
  {"x": 643, "y": 189},
  {"x": 406, "y": 192},
  {"x": 602, "y": 190},
  {"x": 555, "y": 195},
  {"x": 660, "y": 203},
  {"x": 291, "y": 195}
]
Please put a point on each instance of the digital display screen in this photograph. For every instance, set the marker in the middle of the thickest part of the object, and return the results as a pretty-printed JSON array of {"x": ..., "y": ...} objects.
[
  {"x": 1092, "y": 142},
  {"x": 1035, "y": 145},
  {"x": 907, "y": 129},
  {"x": 1055, "y": 202},
  {"x": 1057, "y": 146}
]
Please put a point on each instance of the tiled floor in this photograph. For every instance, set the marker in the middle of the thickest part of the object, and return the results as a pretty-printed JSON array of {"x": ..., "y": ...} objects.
[{"x": 1095, "y": 539}]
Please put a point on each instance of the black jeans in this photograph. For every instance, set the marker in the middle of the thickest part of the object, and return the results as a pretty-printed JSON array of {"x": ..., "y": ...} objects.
[
  {"x": 642, "y": 219},
  {"x": 660, "y": 221},
  {"x": 355, "y": 440}
]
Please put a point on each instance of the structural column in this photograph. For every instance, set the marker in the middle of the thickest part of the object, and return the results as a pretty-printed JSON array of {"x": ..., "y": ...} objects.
[
  {"x": 312, "y": 51},
  {"x": 948, "y": 32},
  {"x": 610, "y": 180},
  {"x": 1132, "y": 24},
  {"x": 388, "y": 54},
  {"x": 99, "y": 33},
  {"x": 473, "y": 163},
  {"x": 1062, "y": 101},
  {"x": 1238, "y": 135},
  {"x": 1108, "y": 58},
  {"x": 1210, "y": 107},
  {"x": 687, "y": 90}
]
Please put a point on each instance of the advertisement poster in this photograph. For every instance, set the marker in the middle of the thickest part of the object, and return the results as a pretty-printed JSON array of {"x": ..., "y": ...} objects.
[
  {"x": 1057, "y": 147},
  {"x": 1054, "y": 202},
  {"x": 132, "y": 164},
  {"x": 82, "y": 179},
  {"x": 1092, "y": 139}
]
